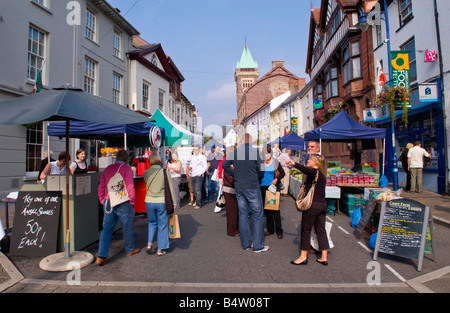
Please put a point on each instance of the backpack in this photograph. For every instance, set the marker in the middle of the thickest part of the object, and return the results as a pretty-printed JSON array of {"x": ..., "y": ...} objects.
[{"x": 117, "y": 189}]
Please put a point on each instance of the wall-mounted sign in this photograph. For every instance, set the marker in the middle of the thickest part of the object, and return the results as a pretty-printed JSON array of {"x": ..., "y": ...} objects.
[
  {"x": 372, "y": 115},
  {"x": 155, "y": 137},
  {"x": 294, "y": 124},
  {"x": 430, "y": 56},
  {"x": 400, "y": 69},
  {"x": 318, "y": 104},
  {"x": 428, "y": 93}
]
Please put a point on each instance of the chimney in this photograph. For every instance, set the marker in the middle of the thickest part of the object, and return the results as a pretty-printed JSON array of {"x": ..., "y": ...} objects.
[{"x": 277, "y": 63}]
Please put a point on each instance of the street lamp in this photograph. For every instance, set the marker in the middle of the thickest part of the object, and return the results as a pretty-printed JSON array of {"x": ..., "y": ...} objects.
[{"x": 363, "y": 24}]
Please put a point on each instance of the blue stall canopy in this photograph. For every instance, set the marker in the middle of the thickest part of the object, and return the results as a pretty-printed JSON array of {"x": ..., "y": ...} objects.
[
  {"x": 90, "y": 130},
  {"x": 293, "y": 142},
  {"x": 343, "y": 127}
]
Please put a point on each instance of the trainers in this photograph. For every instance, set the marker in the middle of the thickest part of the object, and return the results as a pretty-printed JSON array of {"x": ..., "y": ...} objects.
[{"x": 266, "y": 248}]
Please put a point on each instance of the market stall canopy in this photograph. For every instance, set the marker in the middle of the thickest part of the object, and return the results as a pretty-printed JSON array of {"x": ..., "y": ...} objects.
[
  {"x": 293, "y": 142},
  {"x": 175, "y": 135},
  {"x": 90, "y": 130},
  {"x": 343, "y": 127},
  {"x": 66, "y": 103},
  {"x": 276, "y": 141}
]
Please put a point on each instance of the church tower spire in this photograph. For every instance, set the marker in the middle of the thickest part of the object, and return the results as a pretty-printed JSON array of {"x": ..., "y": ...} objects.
[{"x": 246, "y": 74}]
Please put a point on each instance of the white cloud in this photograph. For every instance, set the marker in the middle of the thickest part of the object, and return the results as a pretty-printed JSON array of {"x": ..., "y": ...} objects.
[{"x": 224, "y": 93}]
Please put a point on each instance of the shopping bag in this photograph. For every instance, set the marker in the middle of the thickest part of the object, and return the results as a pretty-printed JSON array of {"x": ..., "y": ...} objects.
[
  {"x": 272, "y": 201},
  {"x": 174, "y": 227},
  {"x": 215, "y": 176},
  {"x": 315, "y": 243},
  {"x": 356, "y": 217},
  {"x": 117, "y": 189},
  {"x": 2, "y": 231}
]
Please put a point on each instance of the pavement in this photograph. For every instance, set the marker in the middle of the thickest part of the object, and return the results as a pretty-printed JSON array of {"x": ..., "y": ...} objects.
[{"x": 30, "y": 279}]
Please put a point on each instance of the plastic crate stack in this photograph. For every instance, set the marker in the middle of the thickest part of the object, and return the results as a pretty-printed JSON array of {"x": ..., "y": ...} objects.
[{"x": 353, "y": 201}]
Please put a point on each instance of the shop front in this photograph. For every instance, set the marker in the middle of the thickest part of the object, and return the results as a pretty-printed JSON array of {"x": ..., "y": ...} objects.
[{"x": 425, "y": 124}]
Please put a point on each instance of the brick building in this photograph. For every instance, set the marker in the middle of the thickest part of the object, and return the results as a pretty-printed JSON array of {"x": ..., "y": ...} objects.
[
  {"x": 340, "y": 64},
  {"x": 252, "y": 93}
]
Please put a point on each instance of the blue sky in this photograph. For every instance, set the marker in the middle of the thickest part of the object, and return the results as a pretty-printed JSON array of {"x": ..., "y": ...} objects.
[{"x": 205, "y": 38}]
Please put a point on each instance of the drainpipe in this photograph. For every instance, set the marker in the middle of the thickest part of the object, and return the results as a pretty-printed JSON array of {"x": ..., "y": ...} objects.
[{"x": 441, "y": 73}]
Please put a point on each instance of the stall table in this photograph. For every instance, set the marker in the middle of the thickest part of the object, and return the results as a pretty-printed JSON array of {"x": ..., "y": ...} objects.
[{"x": 331, "y": 192}]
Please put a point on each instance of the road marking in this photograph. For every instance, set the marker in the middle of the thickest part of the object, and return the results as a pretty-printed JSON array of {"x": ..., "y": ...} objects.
[
  {"x": 343, "y": 230},
  {"x": 395, "y": 273},
  {"x": 364, "y": 246},
  {"x": 330, "y": 219}
]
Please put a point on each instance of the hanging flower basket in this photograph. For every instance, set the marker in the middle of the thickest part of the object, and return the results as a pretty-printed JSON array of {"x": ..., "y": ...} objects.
[{"x": 399, "y": 99}]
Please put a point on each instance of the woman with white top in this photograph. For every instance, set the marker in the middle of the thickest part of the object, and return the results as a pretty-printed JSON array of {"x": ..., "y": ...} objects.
[
  {"x": 80, "y": 165},
  {"x": 174, "y": 167},
  {"x": 56, "y": 167}
]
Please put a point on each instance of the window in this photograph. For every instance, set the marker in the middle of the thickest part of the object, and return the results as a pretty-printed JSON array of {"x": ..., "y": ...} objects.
[
  {"x": 43, "y": 3},
  {"x": 145, "y": 95},
  {"x": 178, "y": 116},
  {"x": 161, "y": 100},
  {"x": 89, "y": 76},
  {"x": 352, "y": 62},
  {"x": 90, "y": 25},
  {"x": 318, "y": 95},
  {"x": 379, "y": 34},
  {"x": 35, "y": 142},
  {"x": 247, "y": 83},
  {"x": 405, "y": 8},
  {"x": 117, "y": 44},
  {"x": 331, "y": 84},
  {"x": 116, "y": 88},
  {"x": 36, "y": 52},
  {"x": 410, "y": 46}
]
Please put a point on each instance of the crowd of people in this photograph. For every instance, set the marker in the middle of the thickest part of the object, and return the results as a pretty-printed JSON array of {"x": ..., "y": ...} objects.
[{"x": 243, "y": 174}]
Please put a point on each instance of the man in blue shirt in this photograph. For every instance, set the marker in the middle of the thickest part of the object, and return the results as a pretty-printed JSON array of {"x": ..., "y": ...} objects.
[{"x": 247, "y": 172}]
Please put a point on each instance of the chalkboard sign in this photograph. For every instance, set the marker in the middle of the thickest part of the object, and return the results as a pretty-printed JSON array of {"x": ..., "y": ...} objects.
[
  {"x": 402, "y": 229},
  {"x": 365, "y": 218},
  {"x": 36, "y": 219}
]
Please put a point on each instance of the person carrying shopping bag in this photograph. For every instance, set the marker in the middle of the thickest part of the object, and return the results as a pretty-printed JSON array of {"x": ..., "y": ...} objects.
[
  {"x": 314, "y": 212},
  {"x": 155, "y": 203}
]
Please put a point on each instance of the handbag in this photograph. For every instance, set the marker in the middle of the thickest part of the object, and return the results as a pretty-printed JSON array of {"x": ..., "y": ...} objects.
[
  {"x": 168, "y": 194},
  {"x": 303, "y": 201},
  {"x": 174, "y": 227},
  {"x": 117, "y": 189}
]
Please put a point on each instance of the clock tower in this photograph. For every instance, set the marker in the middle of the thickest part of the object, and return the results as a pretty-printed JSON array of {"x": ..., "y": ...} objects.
[{"x": 246, "y": 74}]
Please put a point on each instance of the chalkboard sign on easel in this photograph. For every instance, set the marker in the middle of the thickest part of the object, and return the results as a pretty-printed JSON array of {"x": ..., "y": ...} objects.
[
  {"x": 36, "y": 220},
  {"x": 403, "y": 229}
]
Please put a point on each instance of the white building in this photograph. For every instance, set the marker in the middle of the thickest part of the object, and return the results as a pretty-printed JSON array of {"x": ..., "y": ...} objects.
[
  {"x": 280, "y": 116},
  {"x": 257, "y": 124},
  {"x": 413, "y": 27},
  {"x": 83, "y": 45},
  {"x": 156, "y": 83},
  {"x": 302, "y": 107}
]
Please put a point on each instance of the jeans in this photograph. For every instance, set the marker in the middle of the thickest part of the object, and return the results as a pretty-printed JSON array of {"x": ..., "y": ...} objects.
[
  {"x": 123, "y": 212},
  {"x": 158, "y": 219},
  {"x": 197, "y": 185},
  {"x": 250, "y": 203},
  {"x": 213, "y": 187}
]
